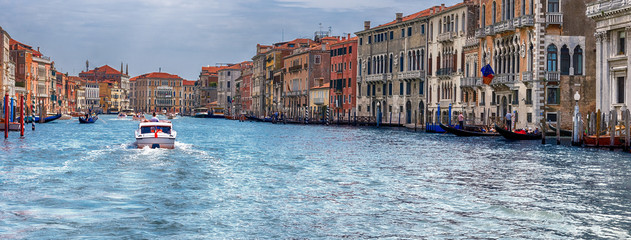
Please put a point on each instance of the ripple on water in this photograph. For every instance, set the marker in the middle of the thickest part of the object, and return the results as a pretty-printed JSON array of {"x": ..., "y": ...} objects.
[{"x": 226, "y": 179}]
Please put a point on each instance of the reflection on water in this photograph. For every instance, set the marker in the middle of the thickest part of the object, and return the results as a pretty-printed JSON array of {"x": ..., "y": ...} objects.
[{"x": 226, "y": 179}]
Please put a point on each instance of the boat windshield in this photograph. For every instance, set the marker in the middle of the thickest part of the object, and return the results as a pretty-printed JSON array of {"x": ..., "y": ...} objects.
[{"x": 152, "y": 129}]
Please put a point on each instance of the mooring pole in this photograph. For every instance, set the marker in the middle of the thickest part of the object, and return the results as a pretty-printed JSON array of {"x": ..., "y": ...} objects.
[
  {"x": 22, "y": 115},
  {"x": 6, "y": 115},
  {"x": 558, "y": 128}
]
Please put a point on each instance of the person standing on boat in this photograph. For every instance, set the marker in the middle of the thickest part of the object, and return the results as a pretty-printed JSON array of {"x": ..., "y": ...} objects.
[
  {"x": 461, "y": 120},
  {"x": 508, "y": 121},
  {"x": 154, "y": 118}
]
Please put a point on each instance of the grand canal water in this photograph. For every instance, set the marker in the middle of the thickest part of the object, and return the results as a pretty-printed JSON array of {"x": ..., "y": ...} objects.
[{"x": 227, "y": 179}]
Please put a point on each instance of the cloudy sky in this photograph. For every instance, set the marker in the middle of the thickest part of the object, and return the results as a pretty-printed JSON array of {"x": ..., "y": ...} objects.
[{"x": 181, "y": 36}]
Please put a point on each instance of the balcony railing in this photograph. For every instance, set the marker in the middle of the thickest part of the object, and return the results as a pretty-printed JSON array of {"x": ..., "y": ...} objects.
[
  {"x": 479, "y": 33},
  {"x": 470, "y": 82},
  {"x": 553, "y": 76},
  {"x": 471, "y": 42},
  {"x": 504, "y": 26},
  {"x": 410, "y": 75},
  {"x": 505, "y": 79},
  {"x": 553, "y": 18},
  {"x": 489, "y": 30},
  {"x": 376, "y": 78},
  {"x": 295, "y": 68},
  {"x": 446, "y": 37},
  {"x": 318, "y": 101},
  {"x": 526, "y": 21},
  {"x": 527, "y": 77}
]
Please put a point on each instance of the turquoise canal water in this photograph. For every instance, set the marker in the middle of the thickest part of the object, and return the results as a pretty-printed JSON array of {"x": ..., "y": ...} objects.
[{"x": 227, "y": 179}]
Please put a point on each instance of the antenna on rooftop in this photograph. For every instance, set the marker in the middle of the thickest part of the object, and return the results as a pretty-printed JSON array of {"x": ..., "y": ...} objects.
[{"x": 160, "y": 69}]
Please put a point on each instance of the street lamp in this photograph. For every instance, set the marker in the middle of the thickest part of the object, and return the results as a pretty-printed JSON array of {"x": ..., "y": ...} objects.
[{"x": 576, "y": 126}]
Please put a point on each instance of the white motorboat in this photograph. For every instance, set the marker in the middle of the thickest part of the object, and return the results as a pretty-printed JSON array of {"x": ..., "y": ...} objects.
[
  {"x": 155, "y": 135},
  {"x": 122, "y": 115}
]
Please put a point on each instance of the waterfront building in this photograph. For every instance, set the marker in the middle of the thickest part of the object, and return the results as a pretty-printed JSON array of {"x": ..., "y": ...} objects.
[
  {"x": 273, "y": 86},
  {"x": 391, "y": 72},
  {"x": 107, "y": 73},
  {"x": 449, "y": 28},
  {"x": 613, "y": 52},
  {"x": 207, "y": 86},
  {"x": 158, "y": 91},
  {"x": 91, "y": 96},
  {"x": 305, "y": 68},
  {"x": 58, "y": 94},
  {"x": 22, "y": 56},
  {"x": 343, "y": 79},
  {"x": 258, "y": 79},
  {"x": 540, "y": 61},
  {"x": 188, "y": 97},
  {"x": 7, "y": 65},
  {"x": 226, "y": 90},
  {"x": 245, "y": 90},
  {"x": 319, "y": 102},
  {"x": 72, "y": 93}
]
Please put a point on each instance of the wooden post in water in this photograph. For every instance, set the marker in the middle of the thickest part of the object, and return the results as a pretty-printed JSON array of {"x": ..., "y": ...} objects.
[
  {"x": 6, "y": 115},
  {"x": 598, "y": 118},
  {"x": 558, "y": 132},
  {"x": 627, "y": 136},
  {"x": 612, "y": 126},
  {"x": 22, "y": 115},
  {"x": 543, "y": 130}
]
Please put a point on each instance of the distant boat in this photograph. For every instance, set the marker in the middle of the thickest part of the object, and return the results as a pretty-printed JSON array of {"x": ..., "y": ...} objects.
[
  {"x": 601, "y": 141},
  {"x": 217, "y": 113},
  {"x": 89, "y": 119},
  {"x": 46, "y": 119},
  {"x": 468, "y": 131},
  {"x": 517, "y": 136},
  {"x": 65, "y": 117},
  {"x": 201, "y": 113},
  {"x": 122, "y": 115},
  {"x": 13, "y": 126}
]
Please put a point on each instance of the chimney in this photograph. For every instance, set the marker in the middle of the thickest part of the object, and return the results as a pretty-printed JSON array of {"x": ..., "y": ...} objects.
[
  {"x": 349, "y": 37},
  {"x": 366, "y": 25},
  {"x": 399, "y": 17},
  {"x": 442, "y": 6}
]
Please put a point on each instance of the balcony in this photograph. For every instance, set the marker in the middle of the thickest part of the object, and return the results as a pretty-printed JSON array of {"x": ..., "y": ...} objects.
[
  {"x": 471, "y": 42},
  {"x": 526, "y": 21},
  {"x": 446, "y": 37},
  {"x": 479, "y": 33},
  {"x": 470, "y": 82},
  {"x": 505, "y": 26},
  {"x": 553, "y": 18},
  {"x": 295, "y": 93},
  {"x": 318, "y": 101},
  {"x": 506, "y": 79},
  {"x": 527, "y": 77},
  {"x": 553, "y": 76},
  {"x": 295, "y": 68},
  {"x": 412, "y": 75},
  {"x": 376, "y": 78},
  {"x": 489, "y": 31}
]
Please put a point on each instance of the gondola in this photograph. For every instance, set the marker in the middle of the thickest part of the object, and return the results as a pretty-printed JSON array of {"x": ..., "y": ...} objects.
[
  {"x": 467, "y": 132},
  {"x": 564, "y": 133},
  {"x": 517, "y": 136},
  {"x": 46, "y": 119},
  {"x": 89, "y": 120}
]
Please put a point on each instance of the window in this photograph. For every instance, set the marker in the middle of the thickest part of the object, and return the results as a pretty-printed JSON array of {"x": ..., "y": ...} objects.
[
  {"x": 494, "y": 12},
  {"x": 368, "y": 90},
  {"x": 361, "y": 41},
  {"x": 552, "y": 117},
  {"x": 391, "y": 35},
  {"x": 390, "y": 64},
  {"x": 401, "y": 62},
  {"x": 401, "y": 88},
  {"x": 552, "y": 58},
  {"x": 409, "y": 31},
  {"x": 578, "y": 61},
  {"x": 402, "y": 32},
  {"x": 482, "y": 98},
  {"x": 529, "y": 117},
  {"x": 523, "y": 7},
  {"x": 483, "y": 19},
  {"x": 350, "y": 49},
  {"x": 383, "y": 90},
  {"x": 620, "y": 88},
  {"x": 422, "y": 29},
  {"x": 390, "y": 89},
  {"x": 374, "y": 88},
  {"x": 349, "y": 82},
  {"x": 621, "y": 42},
  {"x": 565, "y": 60},
  {"x": 408, "y": 88},
  {"x": 553, "y": 96},
  {"x": 421, "y": 87},
  {"x": 528, "y": 96},
  {"x": 553, "y": 6},
  {"x": 359, "y": 90}
]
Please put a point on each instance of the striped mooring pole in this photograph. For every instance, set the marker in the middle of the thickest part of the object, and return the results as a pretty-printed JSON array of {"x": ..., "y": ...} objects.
[{"x": 328, "y": 115}]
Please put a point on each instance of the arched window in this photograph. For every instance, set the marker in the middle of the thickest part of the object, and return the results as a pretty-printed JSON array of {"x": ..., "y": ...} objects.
[
  {"x": 504, "y": 10},
  {"x": 422, "y": 56},
  {"x": 390, "y": 64},
  {"x": 440, "y": 26},
  {"x": 578, "y": 60},
  {"x": 552, "y": 58},
  {"x": 360, "y": 67},
  {"x": 464, "y": 27},
  {"x": 401, "y": 62},
  {"x": 565, "y": 60},
  {"x": 523, "y": 7},
  {"x": 418, "y": 60},
  {"x": 369, "y": 65},
  {"x": 429, "y": 62},
  {"x": 409, "y": 61},
  {"x": 456, "y": 28},
  {"x": 494, "y": 12},
  {"x": 483, "y": 18}
]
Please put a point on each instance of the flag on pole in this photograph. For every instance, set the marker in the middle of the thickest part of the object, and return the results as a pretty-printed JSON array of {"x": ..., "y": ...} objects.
[{"x": 488, "y": 74}]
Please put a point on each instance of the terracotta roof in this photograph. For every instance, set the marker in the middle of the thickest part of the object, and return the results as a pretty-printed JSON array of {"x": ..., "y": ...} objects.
[
  {"x": 21, "y": 46},
  {"x": 189, "y": 83},
  {"x": 345, "y": 41},
  {"x": 420, "y": 14},
  {"x": 156, "y": 75},
  {"x": 326, "y": 85},
  {"x": 106, "y": 69}
]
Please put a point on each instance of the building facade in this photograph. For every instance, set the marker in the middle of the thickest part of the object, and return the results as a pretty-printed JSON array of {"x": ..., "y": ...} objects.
[
  {"x": 343, "y": 92},
  {"x": 613, "y": 53},
  {"x": 188, "y": 96},
  {"x": 107, "y": 73},
  {"x": 7, "y": 65},
  {"x": 157, "y": 92},
  {"x": 391, "y": 72}
]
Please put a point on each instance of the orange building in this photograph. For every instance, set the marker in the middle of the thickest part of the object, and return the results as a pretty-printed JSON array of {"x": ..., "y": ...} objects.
[
  {"x": 158, "y": 91},
  {"x": 343, "y": 77}
]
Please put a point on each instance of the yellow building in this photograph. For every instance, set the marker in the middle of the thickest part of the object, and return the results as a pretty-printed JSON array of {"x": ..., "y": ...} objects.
[
  {"x": 319, "y": 101},
  {"x": 158, "y": 91}
]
